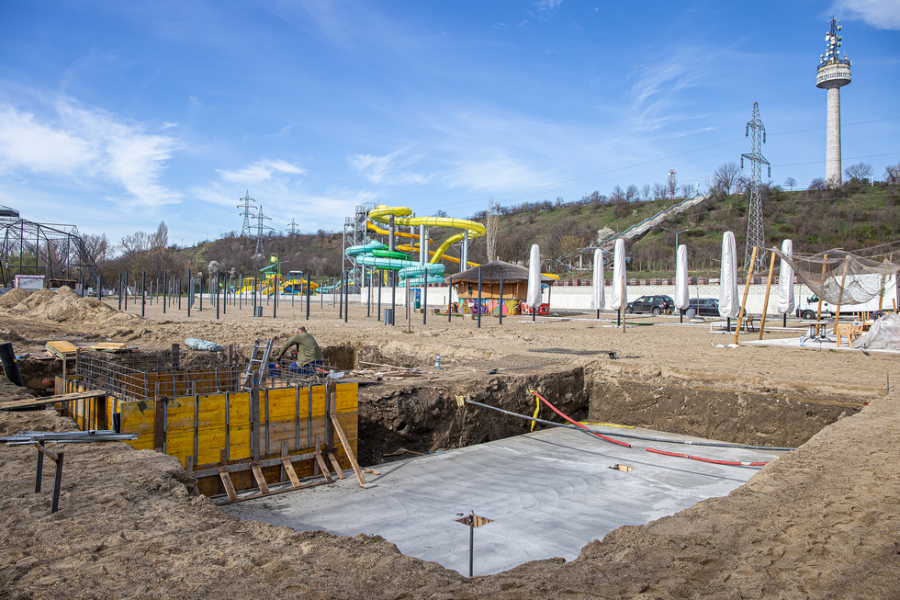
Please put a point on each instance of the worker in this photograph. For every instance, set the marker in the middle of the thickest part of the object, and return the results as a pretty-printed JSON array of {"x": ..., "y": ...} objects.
[{"x": 309, "y": 355}]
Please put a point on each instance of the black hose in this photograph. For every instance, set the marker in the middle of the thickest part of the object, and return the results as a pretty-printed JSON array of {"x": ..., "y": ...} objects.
[{"x": 8, "y": 357}]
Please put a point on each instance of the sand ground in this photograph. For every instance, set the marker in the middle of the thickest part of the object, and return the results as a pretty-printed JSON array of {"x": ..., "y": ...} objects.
[{"x": 823, "y": 521}]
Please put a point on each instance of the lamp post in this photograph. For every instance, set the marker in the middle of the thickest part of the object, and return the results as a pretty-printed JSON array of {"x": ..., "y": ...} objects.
[{"x": 676, "y": 235}]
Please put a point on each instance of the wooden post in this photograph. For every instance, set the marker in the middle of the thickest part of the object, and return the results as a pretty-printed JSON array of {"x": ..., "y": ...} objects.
[
  {"x": 819, "y": 310},
  {"x": 837, "y": 313},
  {"x": 762, "y": 324},
  {"x": 737, "y": 330}
]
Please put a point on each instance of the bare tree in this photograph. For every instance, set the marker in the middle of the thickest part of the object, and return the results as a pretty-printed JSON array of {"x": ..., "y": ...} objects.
[
  {"x": 160, "y": 239},
  {"x": 659, "y": 191},
  {"x": 817, "y": 184},
  {"x": 892, "y": 173},
  {"x": 685, "y": 190},
  {"x": 645, "y": 192},
  {"x": 138, "y": 241},
  {"x": 632, "y": 193},
  {"x": 790, "y": 182},
  {"x": 493, "y": 221},
  {"x": 860, "y": 172},
  {"x": 726, "y": 176},
  {"x": 97, "y": 247},
  {"x": 617, "y": 195}
]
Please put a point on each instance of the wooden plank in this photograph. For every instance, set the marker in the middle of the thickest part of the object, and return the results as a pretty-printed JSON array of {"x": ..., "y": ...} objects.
[
  {"x": 260, "y": 479},
  {"x": 159, "y": 424},
  {"x": 291, "y": 473},
  {"x": 34, "y": 402},
  {"x": 272, "y": 493},
  {"x": 226, "y": 481},
  {"x": 245, "y": 466},
  {"x": 337, "y": 467},
  {"x": 346, "y": 443}
]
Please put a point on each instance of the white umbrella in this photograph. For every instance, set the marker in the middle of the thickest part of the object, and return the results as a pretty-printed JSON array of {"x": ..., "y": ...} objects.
[
  {"x": 533, "y": 297},
  {"x": 620, "y": 291},
  {"x": 728, "y": 290},
  {"x": 598, "y": 297},
  {"x": 682, "y": 295},
  {"x": 786, "y": 280}
]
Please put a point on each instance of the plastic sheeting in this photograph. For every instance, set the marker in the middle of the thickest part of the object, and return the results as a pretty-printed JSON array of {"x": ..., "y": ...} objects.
[
  {"x": 620, "y": 290},
  {"x": 839, "y": 277},
  {"x": 598, "y": 293},
  {"x": 786, "y": 280},
  {"x": 682, "y": 294},
  {"x": 196, "y": 344},
  {"x": 533, "y": 296},
  {"x": 729, "y": 305},
  {"x": 883, "y": 334}
]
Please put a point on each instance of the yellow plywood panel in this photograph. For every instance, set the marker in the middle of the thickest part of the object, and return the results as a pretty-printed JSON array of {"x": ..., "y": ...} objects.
[
  {"x": 347, "y": 397},
  {"x": 137, "y": 417},
  {"x": 180, "y": 413},
  {"x": 283, "y": 403}
]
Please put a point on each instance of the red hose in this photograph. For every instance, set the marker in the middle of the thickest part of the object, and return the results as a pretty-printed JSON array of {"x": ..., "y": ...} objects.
[
  {"x": 576, "y": 423},
  {"x": 731, "y": 463}
]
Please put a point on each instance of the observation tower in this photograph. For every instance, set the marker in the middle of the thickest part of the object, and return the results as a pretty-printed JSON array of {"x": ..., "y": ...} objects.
[{"x": 833, "y": 73}]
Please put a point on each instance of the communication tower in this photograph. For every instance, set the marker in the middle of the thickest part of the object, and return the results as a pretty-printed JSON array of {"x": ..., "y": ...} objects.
[
  {"x": 247, "y": 214},
  {"x": 755, "y": 236},
  {"x": 832, "y": 74}
]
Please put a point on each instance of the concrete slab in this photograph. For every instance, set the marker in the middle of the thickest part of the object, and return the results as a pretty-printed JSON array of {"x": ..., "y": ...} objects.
[
  {"x": 548, "y": 493},
  {"x": 829, "y": 343}
]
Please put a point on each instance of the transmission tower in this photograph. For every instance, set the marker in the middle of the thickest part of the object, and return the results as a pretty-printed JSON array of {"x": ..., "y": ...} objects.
[
  {"x": 293, "y": 225},
  {"x": 247, "y": 214},
  {"x": 755, "y": 236},
  {"x": 260, "y": 228}
]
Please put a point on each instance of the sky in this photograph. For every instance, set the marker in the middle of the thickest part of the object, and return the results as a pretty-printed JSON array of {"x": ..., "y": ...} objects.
[{"x": 115, "y": 116}]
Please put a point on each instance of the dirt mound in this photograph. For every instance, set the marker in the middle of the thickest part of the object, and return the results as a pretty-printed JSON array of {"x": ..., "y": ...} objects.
[
  {"x": 64, "y": 305},
  {"x": 13, "y": 297}
]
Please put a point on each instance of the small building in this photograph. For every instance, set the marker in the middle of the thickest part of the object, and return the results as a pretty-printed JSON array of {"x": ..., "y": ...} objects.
[{"x": 515, "y": 288}]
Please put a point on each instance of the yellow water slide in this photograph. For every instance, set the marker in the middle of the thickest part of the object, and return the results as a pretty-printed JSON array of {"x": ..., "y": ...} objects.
[{"x": 382, "y": 214}]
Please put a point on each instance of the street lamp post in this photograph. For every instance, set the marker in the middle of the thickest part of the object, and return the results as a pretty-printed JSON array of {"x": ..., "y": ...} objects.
[{"x": 676, "y": 236}]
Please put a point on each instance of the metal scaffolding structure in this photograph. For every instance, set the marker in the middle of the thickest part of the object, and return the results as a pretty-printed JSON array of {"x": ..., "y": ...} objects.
[
  {"x": 53, "y": 250},
  {"x": 356, "y": 233},
  {"x": 755, "y": 236}
]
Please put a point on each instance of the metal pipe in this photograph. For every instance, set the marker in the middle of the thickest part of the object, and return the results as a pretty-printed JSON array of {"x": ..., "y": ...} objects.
[
  {"x": 479, "y": 297},
  {"x": 471, "y": 540},
  {"x": 143, "y": 292},
  {"x": 500, "y": 308}
]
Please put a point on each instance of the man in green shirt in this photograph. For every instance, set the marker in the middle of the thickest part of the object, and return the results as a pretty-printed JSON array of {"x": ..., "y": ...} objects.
[{"x": 308, "y": 352}]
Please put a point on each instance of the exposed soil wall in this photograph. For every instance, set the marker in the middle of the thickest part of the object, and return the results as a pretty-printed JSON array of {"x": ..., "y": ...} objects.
[
  {"x": 424, "y": 416},
  {"x": 708, "y": 409}
]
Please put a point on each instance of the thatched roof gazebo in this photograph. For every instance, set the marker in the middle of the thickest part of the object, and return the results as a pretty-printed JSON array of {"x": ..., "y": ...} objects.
[{"x": 515, "y": 281}]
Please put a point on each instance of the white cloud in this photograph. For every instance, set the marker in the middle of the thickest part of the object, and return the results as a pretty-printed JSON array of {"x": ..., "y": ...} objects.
[
  {"x": 261, "y": 170},
  {"x": 498, "y": 173},
  {"x": 881, "y": 14},
  {"x": 389, "y": 169},
  {"x": 78, "y": 143},
  {"x": 547, "y": 4}
]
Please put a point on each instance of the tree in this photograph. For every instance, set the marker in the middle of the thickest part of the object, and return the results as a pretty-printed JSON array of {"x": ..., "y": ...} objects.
[
  {"x": 632, "y": 193},
  {"x": 136, "y": 242},
  {"x": 659, "y": 191},
  {"x": 617, "y": 195},
  {"x": 645, "y": 192},
  {"x": 160, "y": 239},
  {"x": 790, "y": 182},
  {"x": 817, "y": 184},
  {"x": 726, "y": 176},
  {"x": 860, "y": 172},
  {"x": 892, "y": 173},
  {"x": 686, "y": 190}
]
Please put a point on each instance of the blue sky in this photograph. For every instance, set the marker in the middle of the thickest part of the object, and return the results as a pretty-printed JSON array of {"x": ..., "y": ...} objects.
[{"x": 116, "y": 115}]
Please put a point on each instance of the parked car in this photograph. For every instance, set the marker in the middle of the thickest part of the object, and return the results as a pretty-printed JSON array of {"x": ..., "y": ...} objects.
[
  {"x": 656, "y": 305},
  {"x": 704, "y": 307}
]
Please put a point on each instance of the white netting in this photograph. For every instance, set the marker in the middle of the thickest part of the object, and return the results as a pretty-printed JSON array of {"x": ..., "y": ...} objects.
[{"x": 839, "y": 277}]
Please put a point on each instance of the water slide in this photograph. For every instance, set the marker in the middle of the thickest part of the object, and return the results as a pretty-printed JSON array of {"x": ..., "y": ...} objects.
[
  {"x": 382, "y": 214},
  {"x": 375, "y": 254}
]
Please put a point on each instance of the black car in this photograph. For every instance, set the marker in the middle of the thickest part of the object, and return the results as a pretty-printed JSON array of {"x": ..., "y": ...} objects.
[
  {"x": 651, "y": 304},
  {"x": 705, "y": 307}
]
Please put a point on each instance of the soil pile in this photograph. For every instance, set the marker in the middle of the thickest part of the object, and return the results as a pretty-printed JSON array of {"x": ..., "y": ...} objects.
[
  {"x": 64, "y": 305},
  {"x": 13, "y": 297}
]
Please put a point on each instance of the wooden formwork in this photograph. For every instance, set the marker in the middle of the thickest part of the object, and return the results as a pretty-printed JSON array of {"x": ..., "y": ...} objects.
[{"x": 209, "y": 432}]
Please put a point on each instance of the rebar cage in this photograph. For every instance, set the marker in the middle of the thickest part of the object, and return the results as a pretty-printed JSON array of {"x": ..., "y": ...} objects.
[{"x": 179, "y": 372}]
